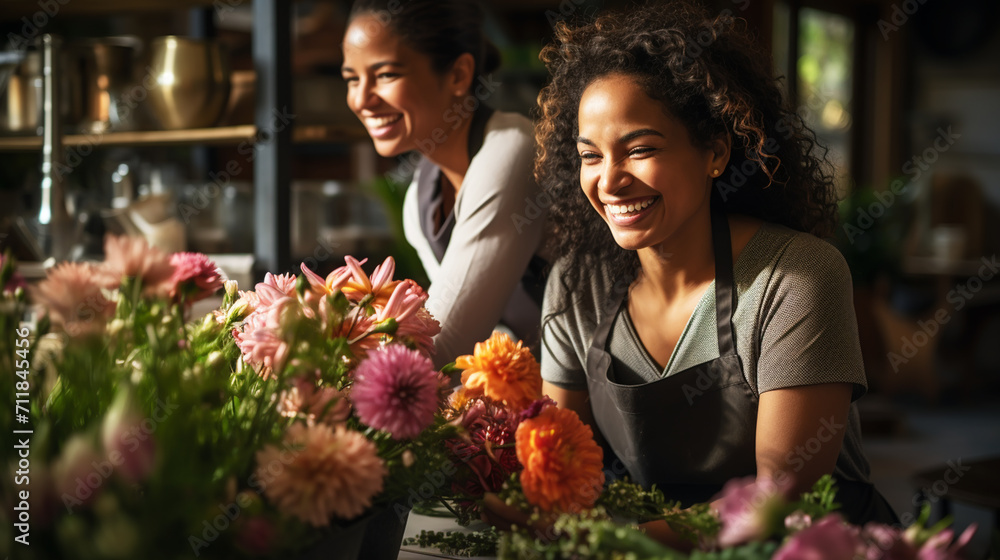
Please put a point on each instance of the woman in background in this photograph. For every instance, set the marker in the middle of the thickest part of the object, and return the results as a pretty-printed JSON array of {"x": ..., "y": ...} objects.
[
  {"x": 695, "y": 318},
  {"x": 418, "y": 74}
]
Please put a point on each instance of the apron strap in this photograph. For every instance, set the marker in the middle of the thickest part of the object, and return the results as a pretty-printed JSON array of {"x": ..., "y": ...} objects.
[{"x": 725, "y": 294}]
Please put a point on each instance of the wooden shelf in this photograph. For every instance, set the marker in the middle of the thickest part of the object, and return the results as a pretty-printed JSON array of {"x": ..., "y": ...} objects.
[
  {"x": 13, "y": 10},
  {"x": 223, "y": 135}
]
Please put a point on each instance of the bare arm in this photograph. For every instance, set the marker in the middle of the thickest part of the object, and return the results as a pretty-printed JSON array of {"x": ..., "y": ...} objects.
[{"x": 800, "y": 431}]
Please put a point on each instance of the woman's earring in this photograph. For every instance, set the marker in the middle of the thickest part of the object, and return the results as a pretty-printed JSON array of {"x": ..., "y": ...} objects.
[{"x": 715, "y": 173}]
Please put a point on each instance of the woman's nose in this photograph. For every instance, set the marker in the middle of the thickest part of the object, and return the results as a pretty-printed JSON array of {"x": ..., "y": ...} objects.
[
  {"x": 614, "y": 176},
  {"x": 362, "y": 95}
]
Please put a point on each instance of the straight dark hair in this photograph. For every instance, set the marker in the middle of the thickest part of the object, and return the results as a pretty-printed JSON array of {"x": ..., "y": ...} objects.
[{"x": 440, "y": 29}]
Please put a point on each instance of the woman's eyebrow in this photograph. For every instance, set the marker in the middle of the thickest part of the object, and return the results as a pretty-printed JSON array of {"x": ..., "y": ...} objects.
[
  {"x": 627, "y": 137},
  {"x": 374, "y": 66}
]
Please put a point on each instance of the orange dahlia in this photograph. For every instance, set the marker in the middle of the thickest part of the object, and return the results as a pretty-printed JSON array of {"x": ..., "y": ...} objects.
[
  {"x": 503, "y": 371},
  {"x": 563, "y": 465}
]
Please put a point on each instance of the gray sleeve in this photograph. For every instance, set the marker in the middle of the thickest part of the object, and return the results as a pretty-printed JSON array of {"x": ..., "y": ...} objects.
[
  {"x": 491, "y": 244},
  {"x": 563, "y": 337},
  {"x": 809, "y": 333}
]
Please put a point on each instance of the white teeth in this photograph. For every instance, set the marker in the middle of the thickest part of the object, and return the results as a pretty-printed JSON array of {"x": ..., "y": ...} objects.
[
  {"x": 378, "y": 122},
  {"x": 627, "y": 208}
]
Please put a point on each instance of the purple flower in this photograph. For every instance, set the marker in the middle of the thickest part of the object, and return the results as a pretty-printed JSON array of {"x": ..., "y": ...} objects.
[
  {"x": 828, "y": 539},
  {"x": 396, "y": 390}
]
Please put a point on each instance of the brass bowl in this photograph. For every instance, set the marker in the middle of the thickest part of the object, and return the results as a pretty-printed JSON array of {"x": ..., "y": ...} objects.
[{"x": 190, "y": 82}]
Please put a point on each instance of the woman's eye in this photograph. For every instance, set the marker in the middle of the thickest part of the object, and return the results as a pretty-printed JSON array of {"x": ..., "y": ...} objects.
[
  {"x": 350, "y": 79},
  {"x": 589, "y": 157},
  {"x": 640, "y": 151},
  {"x": 387, "y": 76}
]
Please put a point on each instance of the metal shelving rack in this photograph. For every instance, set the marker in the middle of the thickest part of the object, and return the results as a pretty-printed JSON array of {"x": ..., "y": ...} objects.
[{"x": 271, "y": 45}]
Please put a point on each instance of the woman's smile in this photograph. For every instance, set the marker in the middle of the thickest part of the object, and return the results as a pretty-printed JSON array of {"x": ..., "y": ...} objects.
[{"x": 628, "y": 212}]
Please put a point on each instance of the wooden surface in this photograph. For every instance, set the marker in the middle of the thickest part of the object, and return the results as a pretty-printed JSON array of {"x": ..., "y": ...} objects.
[{"x": 217, "y": 135}]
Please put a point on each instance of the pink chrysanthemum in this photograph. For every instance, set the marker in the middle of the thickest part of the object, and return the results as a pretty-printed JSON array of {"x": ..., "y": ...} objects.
[
  {"x": 321, "y": 472},
  {"x": 195, "y": 277},
  {"x": 396, "y": 390},
  {"x": 73, "y": 296},
  {"x": 406, "y": 306},
  {"x": 132, "y": 257}
]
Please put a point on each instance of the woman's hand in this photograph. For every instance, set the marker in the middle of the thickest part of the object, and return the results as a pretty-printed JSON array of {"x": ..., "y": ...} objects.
[{"x": 503, "y": 517}]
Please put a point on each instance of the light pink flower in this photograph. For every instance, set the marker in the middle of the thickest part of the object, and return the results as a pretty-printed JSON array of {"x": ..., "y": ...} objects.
[
  {"x": 259, "y": 338},
  {"x": 126, "y": 440},
  {"x": 746, "y": 509},
  {"x": 317, "y": 404},
  {"x": 828, "y": 539},
  {"x": 132, "y": 257},
  {"x": 415, "y": 323},
  {"x": 321, "y": 472},
  {"x": 284, "y": 283},
  {"x": 883, "y": 542},
  {"x": 195, "y": 277},
  {"x": 73, "y": 297},
  {"x": 941, "y": 547},
  {"x": 72, "y": 469},
  {"x": 396, "y": 390}
]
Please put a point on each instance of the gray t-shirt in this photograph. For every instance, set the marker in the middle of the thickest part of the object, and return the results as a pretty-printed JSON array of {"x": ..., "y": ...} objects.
[{"x": 794, "y": 323}]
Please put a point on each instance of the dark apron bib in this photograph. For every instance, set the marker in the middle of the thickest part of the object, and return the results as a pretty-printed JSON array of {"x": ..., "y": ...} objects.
[{"x": 691, "y": 432}]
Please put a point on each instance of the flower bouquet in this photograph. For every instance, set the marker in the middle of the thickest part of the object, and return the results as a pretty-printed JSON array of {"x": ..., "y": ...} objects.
[
  {"x": 518, "y": 454},
  {"x": 276, "y": 426}
]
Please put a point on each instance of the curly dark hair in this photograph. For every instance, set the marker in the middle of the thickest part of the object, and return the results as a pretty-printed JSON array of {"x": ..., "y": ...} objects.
[{"x": 708, "y": 73}]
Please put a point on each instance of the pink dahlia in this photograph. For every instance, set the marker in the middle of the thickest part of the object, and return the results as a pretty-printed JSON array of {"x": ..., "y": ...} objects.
[
  {"x": 72, "y": 294},
  {"x": 396, "y": 390},
  {"x": 132, "y": 257},
  {"x": 195, "y": 277},
  {"x": 321, "y": 472}
]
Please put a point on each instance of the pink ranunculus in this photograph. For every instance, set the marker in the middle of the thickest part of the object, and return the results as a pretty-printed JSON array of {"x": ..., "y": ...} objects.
[
  {"x": 321, "y": 472},
  {"x": 72, "y": 294},
  {"x": 132, "y": 257},
  {"x": 396, "y": 390},
  {"x": 195, "y": 277},
  {"x": 827, "y": 539},
  {"x": 747, "y": 510}
]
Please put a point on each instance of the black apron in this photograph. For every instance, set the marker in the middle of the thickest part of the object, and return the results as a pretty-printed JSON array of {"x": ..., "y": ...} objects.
[{"x": 691, "y": 432}]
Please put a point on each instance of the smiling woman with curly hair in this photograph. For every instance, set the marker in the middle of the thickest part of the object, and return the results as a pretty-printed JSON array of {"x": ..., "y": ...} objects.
[{"x": 695, "y": 318}]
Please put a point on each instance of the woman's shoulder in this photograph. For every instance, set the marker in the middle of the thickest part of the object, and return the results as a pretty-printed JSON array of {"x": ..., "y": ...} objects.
[
  {"x": 795, "y": 260},
  {"x": 510, "y": 129}
]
